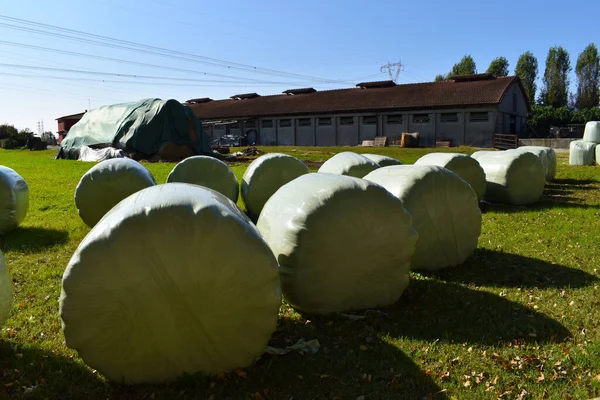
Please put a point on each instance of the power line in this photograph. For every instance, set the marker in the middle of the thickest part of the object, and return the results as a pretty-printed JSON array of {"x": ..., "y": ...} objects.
[{"x": 393, "y": 70}]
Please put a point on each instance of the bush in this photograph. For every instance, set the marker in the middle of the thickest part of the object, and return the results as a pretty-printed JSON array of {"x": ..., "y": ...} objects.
[{"x": 9, "y": 144}]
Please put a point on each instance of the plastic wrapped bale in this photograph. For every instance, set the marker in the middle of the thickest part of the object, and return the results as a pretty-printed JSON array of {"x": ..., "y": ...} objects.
[
  {"x": 591, "y": 132},
  {"x": 14, "y": 199},
  {"x": 546, "y": 155},
  {"x": 106, "y": 184},
  {"x": 482, "y": 153},
  {"x": 581, "y": 152},
  {"x": 382, "y": 161},
  {"x": 349, "y": 163},
  {"x": 598, "y": 154},
  {"x": 513, "y": 177},
  {"x": 462, "y": 165},
  {"x": 265, "y": 175},
  {"x": 5, "y": 291},
  {"x": 173, "y": 280},
  {"x": 444, "y": 208},
  {"x": 208, "y": 172},
  {"x": 342, "y": 243}
]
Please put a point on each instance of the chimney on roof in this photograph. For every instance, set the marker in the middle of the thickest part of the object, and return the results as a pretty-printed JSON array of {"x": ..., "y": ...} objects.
[
  {"x": 471, "y": 78},
  {"x": 245, "y": 96},
  {"x": 199, "y": 101},
  {"x": 299, "y": 91},
  {"x": 376, "y": 84}
]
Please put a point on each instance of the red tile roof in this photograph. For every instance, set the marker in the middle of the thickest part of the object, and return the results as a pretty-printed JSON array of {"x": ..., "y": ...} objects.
[{"x": 400, "y": 97}]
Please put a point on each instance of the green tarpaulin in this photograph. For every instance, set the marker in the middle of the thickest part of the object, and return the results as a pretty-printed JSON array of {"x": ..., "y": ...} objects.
[{"x": 143, "y": 126}]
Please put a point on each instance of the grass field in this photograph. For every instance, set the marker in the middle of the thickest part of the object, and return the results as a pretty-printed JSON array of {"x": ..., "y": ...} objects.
[{"x": 520, "y": 320}]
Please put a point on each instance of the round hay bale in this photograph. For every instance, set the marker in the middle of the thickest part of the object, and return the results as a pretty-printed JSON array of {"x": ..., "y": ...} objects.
[
  {"x": 265, "y": 176},
  {"x": 106, "y": 184},
  {"x": 591, "y": 132},
  {"x": 513, "y": 177},
  {"x": 5, "y": 291},
  {"x": 349, "y": 163},
  {"x": 155, "y": 291},
  {"x": 382, "y": 161},
  {"x": 342, "y": 243},
  {"x": 14, "y": 199},
  {"x": 547, "y": 157},
  {"x": 581, "y": 152},
  {"x": 462, "y": 165},
  {"x": 444, "y": 208},
  {"x": 208, "y": 172},
  {"x": 481, "y": 153}
]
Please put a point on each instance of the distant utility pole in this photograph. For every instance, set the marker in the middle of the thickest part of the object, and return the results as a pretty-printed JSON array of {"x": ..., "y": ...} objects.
[
  {"x": 393, "y": 70},
  {"x": 40, "y": 127}
]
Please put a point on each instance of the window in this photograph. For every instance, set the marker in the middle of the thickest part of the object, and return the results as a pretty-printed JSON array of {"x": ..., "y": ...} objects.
[
  {"x": 325, "y": 121},
  {"x": 478, "y": 116},
  {"x": 235, "y": 125},
  {"x": 449, "y": 117},
  {"x": 346, "y": 120},
  {"x": 250, "y": 124},
  {"x": 421, "y": 118},
  {"x": 394, "y": 119},
  {"x": 514, "y": 102},
  {"x": 219, "y": 127},
  {"x": 370, "y": 120},
  {"x": 266, "y": 123},
  {"x": 304, "y": 122},
  {"x": 285, "y": 123}
]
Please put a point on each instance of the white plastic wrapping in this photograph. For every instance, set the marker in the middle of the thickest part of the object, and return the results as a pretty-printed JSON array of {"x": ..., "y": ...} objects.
[
  {"x": 581, "y": 152},
  {"x": 265, "y": 175},
  {"x": 598, "y": 154},
  {"x": 481, "y": 153},
  {"x": 5, "y": 291},
  {"x": 175, "y": 279},
  {"x": 14, "y": 199},
  {"x": 444, "y": 208},
  {"x": 591, "y": 132},
  {"x": 513, "y": 177},
  {"x": 382, "y": 161},
  {"x": 96, "y": 155},
  {"x": 342, "y": 243},
  {"x": 546, "y": 155},
  {"x": 208, "y": 172},
  {"x": 349, "y": 163},
  {"x": 106, "y": 184},
  {"x": 462, "y": 165}
]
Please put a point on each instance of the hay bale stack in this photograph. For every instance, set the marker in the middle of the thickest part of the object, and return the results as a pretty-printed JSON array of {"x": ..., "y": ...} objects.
[
  {"x": 581, "y": 152},
  {"x": 547, "y": 157},
  {"x": 591, "y": 132},
  {"x": 382, "y": 161},
  {"x": 350, "y": 164},
  {"x": 154, "y": 291},
  {"x": 342, "y": 243},
  {"x": 445, "y": 212},
  {"x": 14, "y": 199}
]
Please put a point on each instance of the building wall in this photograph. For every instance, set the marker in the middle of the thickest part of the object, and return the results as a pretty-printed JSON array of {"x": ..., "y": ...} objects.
[
  {"x": 325, "y": 134},
  {"x": 285, "y": 134},
  {"x": 267, "y": 135},
  {"x": 305, "y": 135},
  {"x": 426, "y": 129},
  {"x": 514, "y": 106},
  {"x": 347, "y": 134}
]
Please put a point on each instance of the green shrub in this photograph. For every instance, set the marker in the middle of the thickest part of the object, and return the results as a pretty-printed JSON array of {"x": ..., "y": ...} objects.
[{"x": 9, "y": 144}]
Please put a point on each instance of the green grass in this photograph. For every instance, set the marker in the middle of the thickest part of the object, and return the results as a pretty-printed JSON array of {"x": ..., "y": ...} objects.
[{"x": 518, "y": 319}]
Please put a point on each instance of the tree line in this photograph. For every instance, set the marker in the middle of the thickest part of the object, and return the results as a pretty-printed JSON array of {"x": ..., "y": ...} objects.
[
  {"x": 554, "y": 104},
  {"x": 12, "y": 138}
]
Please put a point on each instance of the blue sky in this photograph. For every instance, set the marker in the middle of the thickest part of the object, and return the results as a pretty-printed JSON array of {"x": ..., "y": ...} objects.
[{"x": 330, "y": 43}]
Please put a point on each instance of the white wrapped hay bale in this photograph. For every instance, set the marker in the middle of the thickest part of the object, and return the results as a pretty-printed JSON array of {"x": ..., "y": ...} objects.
[
  {"x": 598, "y": 154},
  {"x": 444, "y": 208},
  {"x": 155, "y": 291},
  {"x": 546, "y": 155},
  {"x": 208, "y": 172},
  {"x": 106, "y": 184},
  {"x": 462, "y": 165},
  {"x": 349, "y": 163},
  {"x": 591, "y": 132},
  {"x": 513, "y": 177},
  {"x": 342, "y": 243},
  {"x": 5, "y": 291},
  {"x": 14, "y": 199},
  {"x": 382, "y": 161},
  {"x": 581, "y": 152},
  {"x": 265, "y": 175},
  {"x": 482, "y": 153}
]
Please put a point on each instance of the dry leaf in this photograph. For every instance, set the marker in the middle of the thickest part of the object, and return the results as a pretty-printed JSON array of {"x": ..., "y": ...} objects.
[{"x": 241, "y": 373}]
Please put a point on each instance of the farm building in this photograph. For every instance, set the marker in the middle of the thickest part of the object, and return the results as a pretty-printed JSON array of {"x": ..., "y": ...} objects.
[
  {"x": 466, "y": 110},
  {"x": 65, "y": 123}
]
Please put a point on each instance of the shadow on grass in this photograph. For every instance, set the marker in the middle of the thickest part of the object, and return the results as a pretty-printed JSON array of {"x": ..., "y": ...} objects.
[
  {"x": 31, "y": 372},
  {"x": 494, "y": 268},
  {"x": 32, "y": 239},
  {"x": 431, "y": 310},
  {"x": 574, "y": 182}
]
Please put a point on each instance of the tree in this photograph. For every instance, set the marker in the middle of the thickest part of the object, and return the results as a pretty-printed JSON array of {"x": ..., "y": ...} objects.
[
  {"x": 49, "y": 138},
  {"x": 498, "y": 67},
  {"x": 588, "y": 78},
  {"x": 466, "y": 66},
  {"x": 555, "y": 91},
  {"x": 439, "y": 78},
  {"x": 527, "y": 70},
  {"x": 8, "y": 132}
]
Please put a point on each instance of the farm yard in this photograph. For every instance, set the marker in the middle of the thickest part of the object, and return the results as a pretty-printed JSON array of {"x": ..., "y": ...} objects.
[{"x": 518, "y": 320}]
